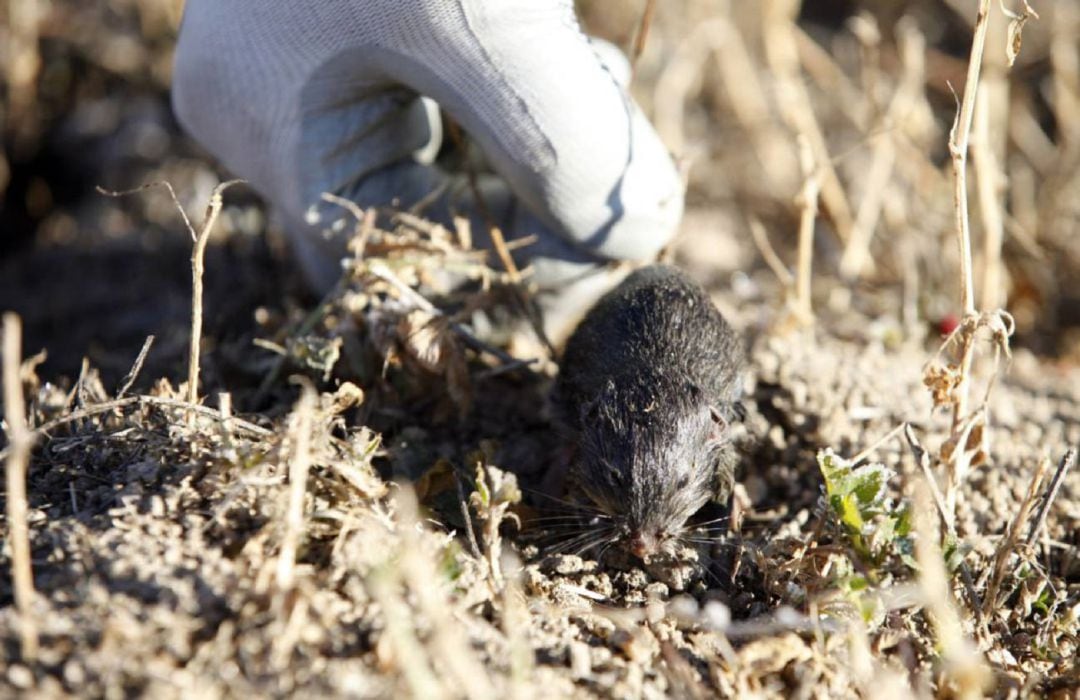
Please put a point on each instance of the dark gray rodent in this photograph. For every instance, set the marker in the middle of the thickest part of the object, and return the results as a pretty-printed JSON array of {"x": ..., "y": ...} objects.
[{"x": 649, "y": 382}]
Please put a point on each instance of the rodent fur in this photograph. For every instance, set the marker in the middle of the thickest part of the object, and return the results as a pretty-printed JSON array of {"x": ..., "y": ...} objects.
[{"x": 648, "y": 384}]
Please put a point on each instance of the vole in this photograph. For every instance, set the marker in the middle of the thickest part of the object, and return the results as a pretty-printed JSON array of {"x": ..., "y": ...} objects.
[{"x": 648, "y": 385}]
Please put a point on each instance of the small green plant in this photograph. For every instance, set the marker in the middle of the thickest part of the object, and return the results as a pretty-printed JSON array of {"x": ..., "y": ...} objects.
[{"x": 858, "y": 502}]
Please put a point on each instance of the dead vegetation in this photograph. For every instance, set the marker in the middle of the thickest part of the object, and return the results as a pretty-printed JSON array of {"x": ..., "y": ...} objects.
[{"x": 353, "y": 509}]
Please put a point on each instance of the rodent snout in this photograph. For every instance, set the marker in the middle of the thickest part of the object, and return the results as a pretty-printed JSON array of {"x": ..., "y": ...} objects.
[{"x": 642, "y": 544}]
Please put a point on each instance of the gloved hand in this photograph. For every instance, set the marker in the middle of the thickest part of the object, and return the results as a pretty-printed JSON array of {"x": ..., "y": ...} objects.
[{"x": 303, "y": 98}]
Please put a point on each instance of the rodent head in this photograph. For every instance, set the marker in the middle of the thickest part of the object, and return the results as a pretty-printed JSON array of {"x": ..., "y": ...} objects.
[{"x": 650, "y": 465}]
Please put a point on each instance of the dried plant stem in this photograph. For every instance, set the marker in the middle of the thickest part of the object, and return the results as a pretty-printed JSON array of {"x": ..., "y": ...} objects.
[
  {"x": 409, "y": 654},
  {"x": 200, "y": 239},
  {"x": 384, "y": 273},
  {"x": 198, "y": 252},
  {"x": 1065, "y": 60},
  {"x": 1063, "y": 467},
  {"x": 796, "y": 107},
  {"x": 23, "y": 57},
  {"x": 105, "y": 407},
  {"x": 18, "y": 459},
  {"x": 133, "y": 373},
  {"x": 959, "y": 139},
  {"x": 642, "y": 33},
  {"x": 299, "y": 464},
  {"x": 856, "y": 259},
  {"x": 965, "y": 670},
  {"x": 808, "y": 204},
  {"x": 1012, "y": 537},
  {"x": 990, "y": 183},
  {"x": 768, "y": 253}
]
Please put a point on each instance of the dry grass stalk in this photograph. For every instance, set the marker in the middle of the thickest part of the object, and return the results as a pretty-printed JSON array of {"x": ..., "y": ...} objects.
[
  {"x": 299, "y": 464},
  {"x": 18, "y": 460},
  {"x": 959, "y": 139},
  {"x": 770, "y": 256},
  {"x": 515, "y": 622},
  {"x": 990, "y": 183},
  {"x": 408, "y": 653},
  {"x": 808, "y": 206},
  {"x": 384, "y": 273},
  {"x": 443, "y": 662},
  {"x": 749, "y": 102},
  {"x": 133, "y": 374},
  {"x": 23, "y": 58},
  {"x": 796, "y": 107},
  {"x": 160, "y": 401},
  {"x": 856, "y": 259},
  {"x": 965, "y": 673},
  {"x": 642, "y": 33},
  {"x": 1065, "y": 59},
  {"x": 199, "y": 240},
  {"x": 967, "y": 433},
  {"x": 1009, "y": 544},
  {"x": 1066, "y": 463},
  {"x": 213, "y": 209},
  {"x": 988, "y": 141}
]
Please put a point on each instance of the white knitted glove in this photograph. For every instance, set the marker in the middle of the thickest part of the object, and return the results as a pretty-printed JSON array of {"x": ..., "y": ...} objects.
[{"x": 303, "y": 98}]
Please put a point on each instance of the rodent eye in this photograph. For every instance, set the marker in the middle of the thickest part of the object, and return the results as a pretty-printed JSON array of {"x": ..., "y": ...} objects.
[
  {"x": 615, "y": 474},
  {"x": 683, "y": 482}
]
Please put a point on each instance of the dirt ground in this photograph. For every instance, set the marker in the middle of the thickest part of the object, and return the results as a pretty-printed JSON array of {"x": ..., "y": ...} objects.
[{"x": 385, "y": 534}]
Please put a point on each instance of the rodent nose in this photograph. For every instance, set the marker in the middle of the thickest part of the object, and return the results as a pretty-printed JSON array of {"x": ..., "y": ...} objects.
[{"x": 641, "y": 544}]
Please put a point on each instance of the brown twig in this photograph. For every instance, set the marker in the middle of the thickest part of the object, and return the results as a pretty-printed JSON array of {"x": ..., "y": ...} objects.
[
  {"x": 1012, "y": 537},
  {"x": 808, "y": 205},
  {"x": 299, "y": 464},
  {"x": 385, "y": 274},
  {"x": 642, "y": 35},
  {"x": 796, "y": 106},
  {"x": 200, "y": 239},
  {"x": 1066, "y": 463},
  {"x": 107, "y": 406},
  {"x": 133, "y": 373},
  {"x": 213, "y": 209},
  {"x": 959, "y": 139},
  {"x": 769, "y": 255},
  {"x": 964, "y": 668},
  {"x": 21, "y": 439},
  {"x": 990, "y": 183}
]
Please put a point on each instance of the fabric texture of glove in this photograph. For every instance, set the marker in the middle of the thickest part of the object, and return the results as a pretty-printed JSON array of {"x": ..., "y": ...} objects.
[{"x": 303, "y": 98}]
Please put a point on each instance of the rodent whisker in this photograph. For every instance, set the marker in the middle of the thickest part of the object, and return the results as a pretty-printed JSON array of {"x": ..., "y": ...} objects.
[
  {"x": 572, "y": 505},
  {"x": 586, "y": 540},
  {"x": 581, "y": 518},
  {"x": 708, "y": 531},
  {"x": 572, "y": 543},
  {"x": 600, "y": 540},
  {"x": 723, "y": 518}
]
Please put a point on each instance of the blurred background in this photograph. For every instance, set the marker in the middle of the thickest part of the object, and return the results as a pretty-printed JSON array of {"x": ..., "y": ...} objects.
[{"x": 732, "y": 86}]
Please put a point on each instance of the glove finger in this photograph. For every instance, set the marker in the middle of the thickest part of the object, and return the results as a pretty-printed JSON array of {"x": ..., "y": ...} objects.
[{"x": 528, "y": 86}]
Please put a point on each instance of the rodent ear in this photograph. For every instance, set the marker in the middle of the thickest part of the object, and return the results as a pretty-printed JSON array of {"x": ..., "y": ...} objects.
[
  {"x": 740, "y": 410},
  {"x": 720, "y": 423}
]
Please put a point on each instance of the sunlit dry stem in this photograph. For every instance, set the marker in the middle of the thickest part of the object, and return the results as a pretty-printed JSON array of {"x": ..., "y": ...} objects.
[
  {"x": 198, "y": 252},
  {"x": 18, "y": 458},
  {"x": 959, "y": 138},
  {"x": 989, "y": 180},
  {"x": 963, "y": 667},
  {"x": 808, "y": 203},
  {"x": 797, "y": 108},
  {"x": 299, "y": 464},
  {"x": 642, "y": 33}
]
